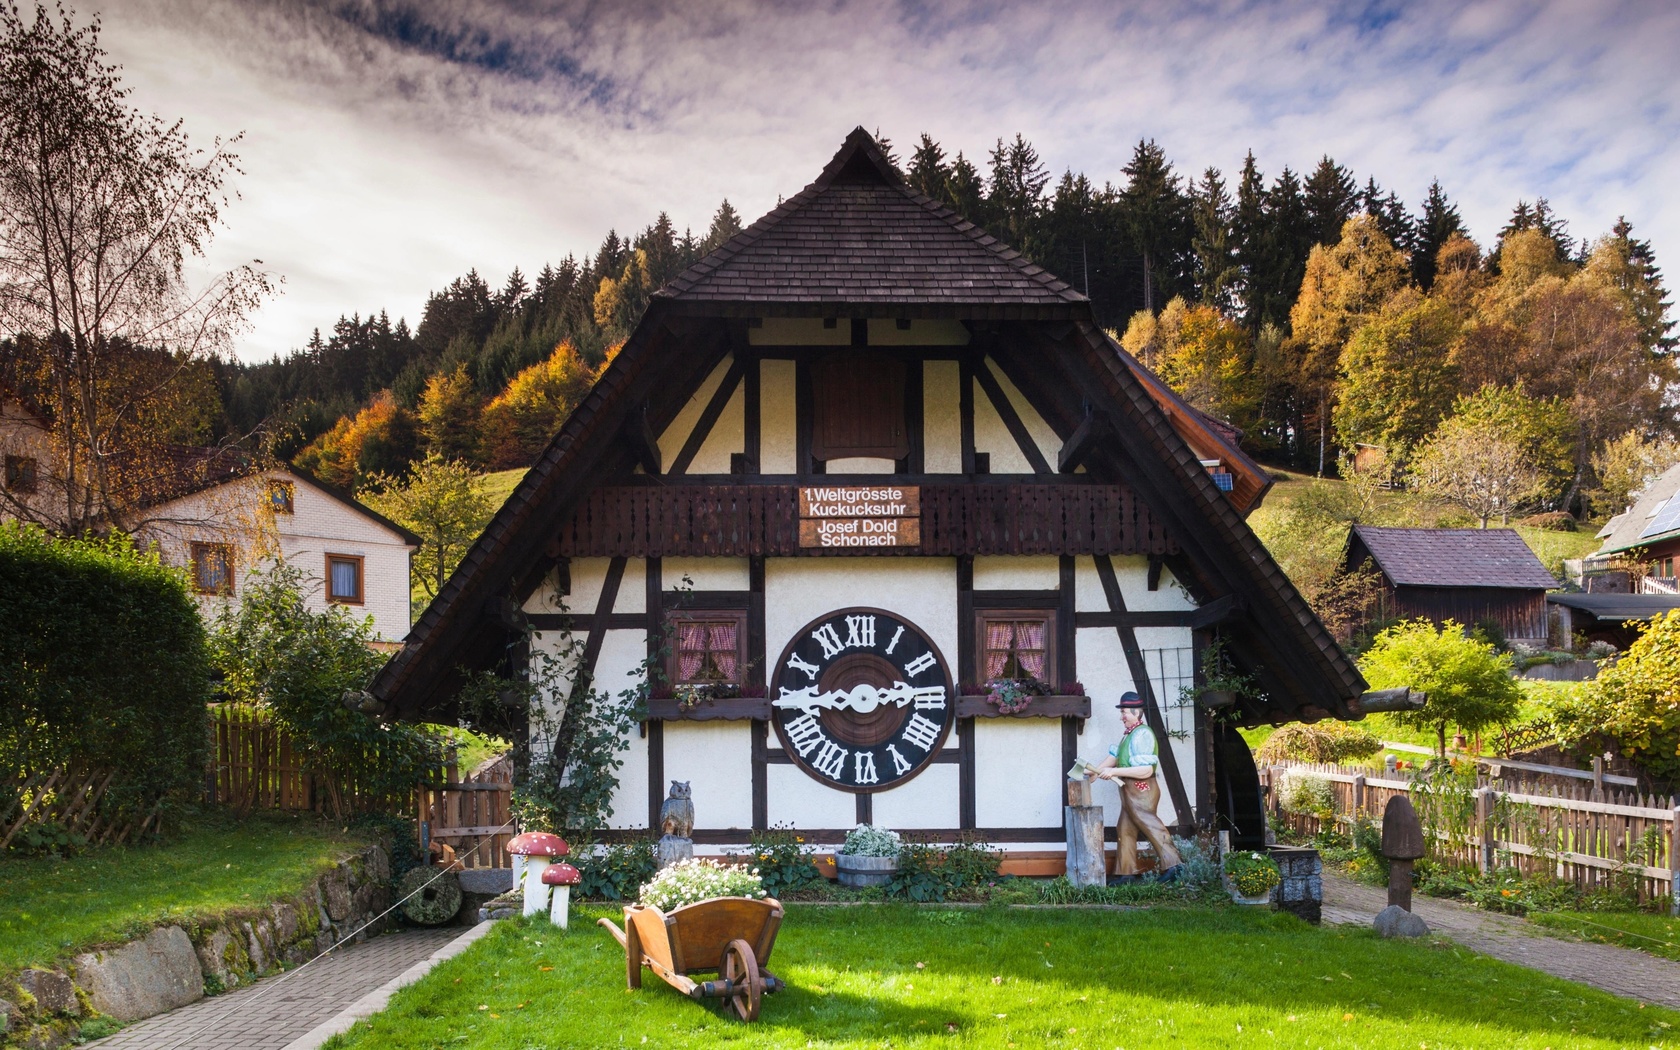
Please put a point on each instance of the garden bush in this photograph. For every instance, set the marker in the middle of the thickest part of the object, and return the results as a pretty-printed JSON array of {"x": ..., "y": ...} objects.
[
  {"x": 1634, "y": 704},
  {"x": 1307, "y": 794},
  {"x": 783, "y": 861},
  {"x": 1551, "y": 521},
  {"x": 867, "y": 840},
  {"x": 273, "y": 651},
  {"x": 927, "y": 873},
  {"x": 102, "y": 662},
  {"x": 614, "y": 872},
  {"x": 1328, "y": 741}
]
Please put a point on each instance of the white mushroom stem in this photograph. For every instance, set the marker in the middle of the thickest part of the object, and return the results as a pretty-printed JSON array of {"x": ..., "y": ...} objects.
[
  {"x": 536, "y": 894},
  {"x": 562, "y": 898},
  {"x": 518, "y": 868}
]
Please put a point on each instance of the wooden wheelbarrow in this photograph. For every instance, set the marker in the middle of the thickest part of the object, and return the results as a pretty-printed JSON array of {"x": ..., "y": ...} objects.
[{"x": 729, "y": 936}]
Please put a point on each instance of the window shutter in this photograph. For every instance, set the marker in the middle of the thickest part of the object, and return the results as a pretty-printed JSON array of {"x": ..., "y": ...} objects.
[{"x": 858, "y": 407}]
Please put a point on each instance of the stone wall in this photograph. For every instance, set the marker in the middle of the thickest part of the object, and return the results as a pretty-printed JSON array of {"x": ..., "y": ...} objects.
[
  {"x": 1302, "y": 890},
  {"x": 176, "y": 965}
]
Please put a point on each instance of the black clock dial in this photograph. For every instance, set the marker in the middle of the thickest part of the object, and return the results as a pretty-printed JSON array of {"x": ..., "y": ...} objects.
[{"x": 862, "y": 699}]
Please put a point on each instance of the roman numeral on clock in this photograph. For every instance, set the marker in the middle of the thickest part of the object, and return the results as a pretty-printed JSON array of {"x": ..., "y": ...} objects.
[
  {"x": 860, "y": 632},
  {"x": 827, "y": 637},
  {"x": 919, "y": 664},
  {"x": 864, "y": 773},
  {"x": 830, "y": 760},
  {"x": 805, "y": 733},
  {"x": 921, "y": 732}
]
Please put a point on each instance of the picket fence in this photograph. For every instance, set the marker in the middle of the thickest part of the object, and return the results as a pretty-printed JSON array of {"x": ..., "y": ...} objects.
[
  {"x": 254, "y": 764},
  {"x": 1574, "y": 832}
]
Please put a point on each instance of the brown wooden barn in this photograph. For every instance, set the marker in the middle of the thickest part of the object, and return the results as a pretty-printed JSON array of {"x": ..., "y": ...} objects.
[{"x": 1464, "y": 575}]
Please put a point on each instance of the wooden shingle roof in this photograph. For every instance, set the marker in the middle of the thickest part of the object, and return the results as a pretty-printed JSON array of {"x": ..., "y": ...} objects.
[
  {"x": 1455, "y": 558},
  {"x": 858, "y": 236}
]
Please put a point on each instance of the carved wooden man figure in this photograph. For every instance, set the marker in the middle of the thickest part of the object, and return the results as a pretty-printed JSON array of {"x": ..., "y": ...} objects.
[{"x": 1132, "y": 764}]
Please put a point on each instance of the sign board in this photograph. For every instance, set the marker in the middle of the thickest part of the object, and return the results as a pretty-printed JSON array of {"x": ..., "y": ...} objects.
[{"x": 860, "y": 516}]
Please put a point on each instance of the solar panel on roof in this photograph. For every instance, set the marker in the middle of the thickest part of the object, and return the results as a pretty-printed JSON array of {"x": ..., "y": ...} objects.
[{"x": 1667, "y": 520}]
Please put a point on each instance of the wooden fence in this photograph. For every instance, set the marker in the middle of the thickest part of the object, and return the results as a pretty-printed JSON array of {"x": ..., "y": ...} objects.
[
  {"x": 471, "y": 814},
  {"x": 255, "y": 765},
  {"x": 69, "y": 798},
  {"x": 1575, "y": 832}
]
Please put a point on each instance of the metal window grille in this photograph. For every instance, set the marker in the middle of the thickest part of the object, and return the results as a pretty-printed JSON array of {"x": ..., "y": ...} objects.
[{"x": 1171, "y": 673}]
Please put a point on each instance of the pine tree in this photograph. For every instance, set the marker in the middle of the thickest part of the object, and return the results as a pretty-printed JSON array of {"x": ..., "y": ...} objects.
[
  {"x": 1015, "y": 196},
  {"x": 725, "y": 225},
  {"x": 1217, "y": 272},
  {"x": 1331, "y": 199},
  {"x": 1628, "y": 265},
  {"x": 1287, "y": 237},
  {"x": 1390, "y": 213},
  {"x": 1156, "y": 216},
  {"x": 1248, "y": 226},
  {"x": 1439, "y": 221},
  {"x": 928, "y": 172},
  {"x": 965, "y": 192}
]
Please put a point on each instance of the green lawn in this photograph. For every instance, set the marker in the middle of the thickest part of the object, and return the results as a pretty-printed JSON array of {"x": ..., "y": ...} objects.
[
  {"x": 499, "y": 486},
  {"x": 1656, "y": 934},
  {"x": 898, "y": 976},
  {"x": 52, "y": 907}
]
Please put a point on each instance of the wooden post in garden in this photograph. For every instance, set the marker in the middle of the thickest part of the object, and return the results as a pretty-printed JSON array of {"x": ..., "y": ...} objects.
[
  {"x": 1484, "y": 829},
  {"x": 1674, "y": 862},
  {"x": 1598, "y": 778},
  {"x": 1358, "y": 794}
]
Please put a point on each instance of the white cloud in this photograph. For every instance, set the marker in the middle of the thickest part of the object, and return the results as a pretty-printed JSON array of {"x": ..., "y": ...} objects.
[{"x": 390, "y": 146}]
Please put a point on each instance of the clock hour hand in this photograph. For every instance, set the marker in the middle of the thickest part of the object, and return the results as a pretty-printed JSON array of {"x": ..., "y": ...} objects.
[{"x": 862, "y": 698}]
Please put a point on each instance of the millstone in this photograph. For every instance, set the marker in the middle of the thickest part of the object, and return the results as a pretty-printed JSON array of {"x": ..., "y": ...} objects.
[{"x": 434, "y": 905}]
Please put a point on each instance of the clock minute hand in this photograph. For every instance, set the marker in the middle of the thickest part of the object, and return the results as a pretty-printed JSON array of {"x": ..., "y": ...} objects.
[{"x": 862, "y": 698}]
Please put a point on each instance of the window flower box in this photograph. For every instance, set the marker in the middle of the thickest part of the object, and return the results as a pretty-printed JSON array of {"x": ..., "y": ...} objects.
[{"x": 1052, "y": 706}]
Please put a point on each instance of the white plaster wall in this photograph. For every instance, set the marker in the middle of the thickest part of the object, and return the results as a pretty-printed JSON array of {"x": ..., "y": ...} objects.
[
  {"x": 941, "y": 417},
  {"x": 671, "y": 441},
  {"x": 1018, "y": 772},
  {"x": 1043, "y": 434},
  {"x": 708, "y": 574},
  {"x": 617, "y": 668},
  {"x": 728, "y": 435},
  {"x": 1132, "y": 574},
  {"x": 994, "y": 439},
  {"x": 588, "y": 575},
  {"x": 931, "y": 800},
  {"x": 778, "y": 441},
  {"x": 791, "y": 797},
  {"x": 1032, "y": 573},
  {"x": 861, "y": 465},
  {"x": 884, "y": 331},
  {"x": 716, "y": 759},
  {"x": 799, "y": 331}
]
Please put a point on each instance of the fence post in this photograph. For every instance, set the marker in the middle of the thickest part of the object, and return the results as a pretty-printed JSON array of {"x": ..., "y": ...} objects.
[
  {"x": 1674, "y": 862},
  {"x": 1358, "y": 794},
  {"x": 1484, "y": 825},
  {"x": 1598, "y": 778}
]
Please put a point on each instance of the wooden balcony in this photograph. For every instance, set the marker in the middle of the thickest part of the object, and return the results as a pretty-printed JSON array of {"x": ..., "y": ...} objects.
[{"x": 647, "y": 521}]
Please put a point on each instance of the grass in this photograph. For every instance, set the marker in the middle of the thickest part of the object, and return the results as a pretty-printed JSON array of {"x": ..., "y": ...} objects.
[
  {"x": 1655, "y": 934},
  {"x": 499, "y": 486},
  {"x": 219, "y": 865},
  {"x": 878, "y": 976},
  {"x": 471, "y": 749}
]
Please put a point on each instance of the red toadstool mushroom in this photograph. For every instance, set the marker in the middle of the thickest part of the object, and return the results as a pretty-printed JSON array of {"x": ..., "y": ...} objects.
[
  {"x": 537, "y": 849},
  {"x": 562, "y": 877}
]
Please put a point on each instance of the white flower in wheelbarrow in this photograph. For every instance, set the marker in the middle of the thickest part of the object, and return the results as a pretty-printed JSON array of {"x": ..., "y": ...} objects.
[{"x": 691, "y": 881}]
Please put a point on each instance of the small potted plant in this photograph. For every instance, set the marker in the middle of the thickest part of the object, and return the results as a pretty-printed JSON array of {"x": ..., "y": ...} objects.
[
  {"x": 692, "y": 881},
  {"x": 1014, "y": 695},
  {"x": 1250, "y": 877},
  {"x": 1222, "y": 684},
  {"x": 869, "y": 857}
]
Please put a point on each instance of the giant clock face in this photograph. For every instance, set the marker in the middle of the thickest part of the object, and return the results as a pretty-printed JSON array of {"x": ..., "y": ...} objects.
[{"x": 861, "y": 699}]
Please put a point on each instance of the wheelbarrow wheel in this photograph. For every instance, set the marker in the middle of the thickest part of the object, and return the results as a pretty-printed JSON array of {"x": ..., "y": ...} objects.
[{"x": 740, "y": 968}]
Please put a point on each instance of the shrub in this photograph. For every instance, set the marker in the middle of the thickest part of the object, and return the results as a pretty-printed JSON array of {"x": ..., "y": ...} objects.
[
  {"x": 1307, "y": 794},
  {"x": 1635, "y": 702},
  {"x": 867, "y": 840},
  {"x": 1551, "y": 521},
  {"x": 614, "y": 872},
  {"x": 1252, "y": 874},
  {"x": 298, "y": 664},
  {"x": 102, "y": 661},
  {"x": 692, "y": 881},
  {"x": 1327, "y": 741},
  {"x": 971, "y": 863},
  {"x": 784, "y": 861},
  {"x": 921, "y": 874}
]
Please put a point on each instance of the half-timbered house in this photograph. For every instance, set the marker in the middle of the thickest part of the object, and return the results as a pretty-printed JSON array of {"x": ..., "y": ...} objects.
[{"x": 856, "y": 462}]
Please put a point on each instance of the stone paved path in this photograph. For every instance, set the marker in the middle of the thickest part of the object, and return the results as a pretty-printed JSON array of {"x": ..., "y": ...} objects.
[
  {"x": 272, "y": 1012},
  {"x": 1619, "y": 971}
]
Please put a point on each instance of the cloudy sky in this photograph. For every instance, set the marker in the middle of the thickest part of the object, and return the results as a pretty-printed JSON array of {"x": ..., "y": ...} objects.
[{"x": 392, "y": 144}]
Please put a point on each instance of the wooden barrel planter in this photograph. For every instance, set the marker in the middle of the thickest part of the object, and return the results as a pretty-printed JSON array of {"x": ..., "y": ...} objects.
[{"x": 862, "y": 872}]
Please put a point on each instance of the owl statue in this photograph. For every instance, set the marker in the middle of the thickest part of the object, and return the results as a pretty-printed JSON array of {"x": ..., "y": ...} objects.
[{"x": 676, "y": 815}]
